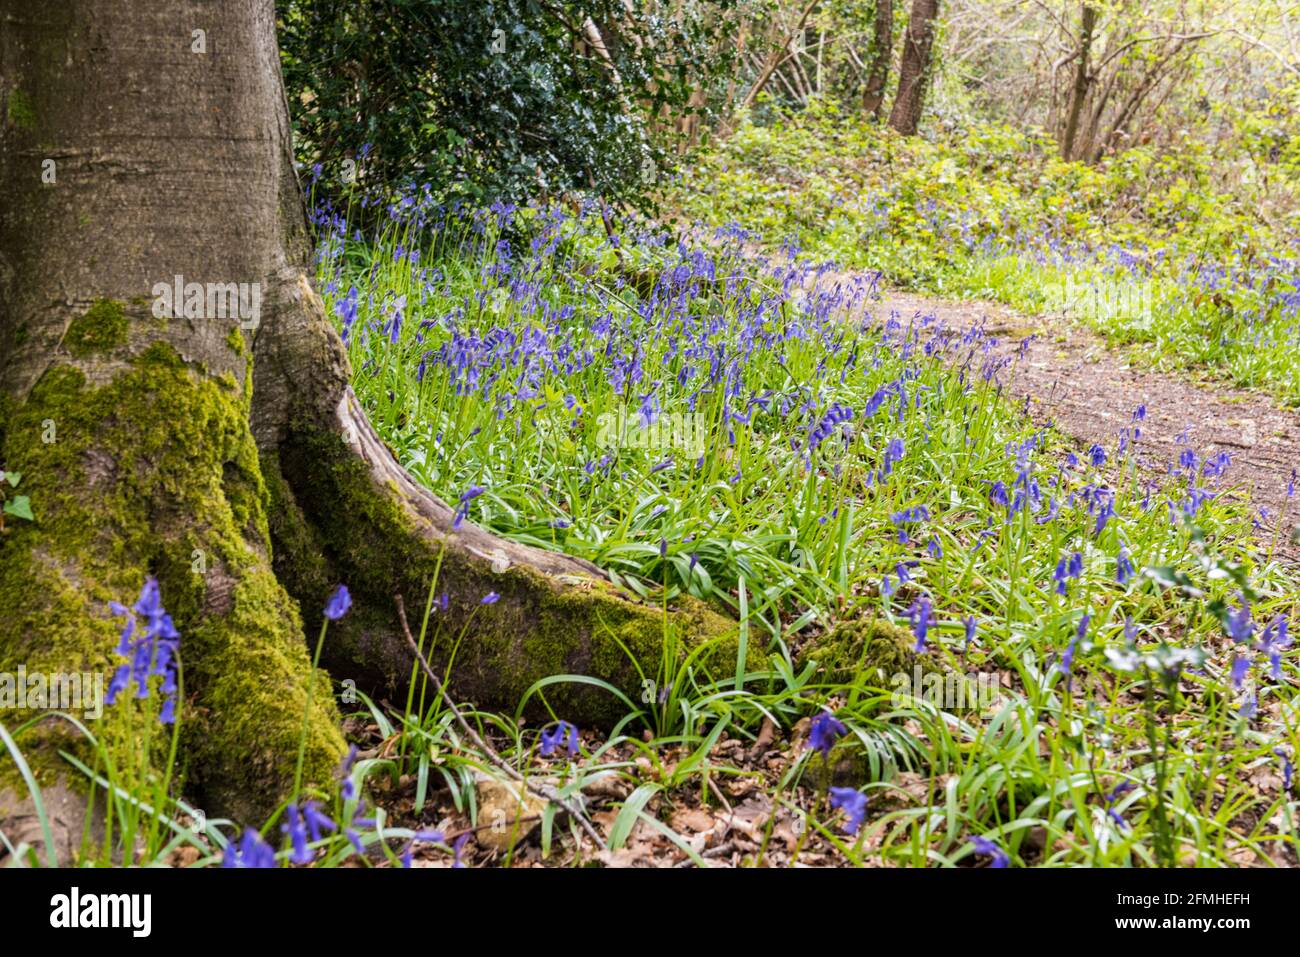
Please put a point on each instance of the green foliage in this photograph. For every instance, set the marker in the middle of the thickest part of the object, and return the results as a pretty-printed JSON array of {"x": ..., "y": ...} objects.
[
  {"x": 1153, "y": 246},
  {"x": 502, "y": 99},
  {"x": 17, "y": 506}
]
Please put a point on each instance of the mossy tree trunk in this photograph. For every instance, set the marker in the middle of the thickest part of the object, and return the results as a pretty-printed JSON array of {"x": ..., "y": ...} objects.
[{"x": 228, "y": 458}]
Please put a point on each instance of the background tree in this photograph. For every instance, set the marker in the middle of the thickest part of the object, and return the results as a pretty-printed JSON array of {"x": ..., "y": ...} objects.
[
  {"x": 914, "y": 70},
  {"x": 882, "y": 51},
  {"x": 1082, "y": 80}
]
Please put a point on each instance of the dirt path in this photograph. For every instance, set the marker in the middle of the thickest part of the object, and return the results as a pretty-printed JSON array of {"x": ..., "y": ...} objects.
[{"x": 1069, "y": 378}]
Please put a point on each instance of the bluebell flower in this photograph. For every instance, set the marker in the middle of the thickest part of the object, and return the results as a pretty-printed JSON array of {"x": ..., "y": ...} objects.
[
  {"x": 1273, "y": 641},
  {"x": 457, "y": 849},
  {"x": 854, "y": 805},
  {"x": 824, "y": 730},
  {"x": 987, "y": 847},
  {"x": 1112, "y": 797},
  {"x": 1240, "y": 668},
  {"x": 152, "y": 648},
  {"x": 462, "y": 508},
  {"x": 430, "y": 837},
  {"x": 563, "y": 733},
  {"x": 250, "y": 852},
  {"x": 1067, "y": 659},
  {"x": 921, "y": 617},
  {"x": 338, "y": 604},
  {"x": 318, "y": 822},
  {"x": 1097, "y": 455},
  {"x": 1123, "y": 567},
  {"x": 491, "y": 598},
  {"x": 1288, "y": 769},
  {"x": 998, "y": 495},
  {"x": 1238, "y": 624},
  {"x": 1066, "y": 569},
  {"x": 296, "y": 828}
]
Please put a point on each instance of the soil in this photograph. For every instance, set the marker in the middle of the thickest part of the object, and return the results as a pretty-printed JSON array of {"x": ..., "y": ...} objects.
[{"x": 1069, "y": 378}]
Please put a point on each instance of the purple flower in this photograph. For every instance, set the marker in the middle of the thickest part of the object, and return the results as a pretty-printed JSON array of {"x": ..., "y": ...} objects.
[
  {"x": 1288, "y": 769},
  {"x": 921, "y": 617},
  {"x": 1238, "y": 623},
  {"x": 1123, "y": 567},
  {"x": 1112, "y": 797},
  {"x": 1240, "y": 668},
  {"x": 462, "y": 509},
  {"x": 251, "y": 852},
  {"x": 854, "y": 805},
  {"x": 349, "y": 788},
  {"x": 296, "y": 828},
  {"x": 1067, "y": 569},
  {"x": 318, "y": 822},
  {"x": 456, "y": 850},
  {"x": 1097, "y": 455},
  {"x": 1067, "y": 659},
  {"x": 491, "y": 598},
  {"x": 338, "y": 604},
  {"x": 152, "y": 653},
  {"x": 1273, "y": 642},
  {"x": 823, "y": 732},
  {"x": 998, "y": 495},
  {"x": 432, "y": 837},
  {"x": 562, "y": 733},
  {"x": 983, "y": 845}
]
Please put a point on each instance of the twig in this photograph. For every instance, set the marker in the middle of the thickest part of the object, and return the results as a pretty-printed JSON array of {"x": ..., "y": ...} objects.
[{"x": 545, "y": 792}]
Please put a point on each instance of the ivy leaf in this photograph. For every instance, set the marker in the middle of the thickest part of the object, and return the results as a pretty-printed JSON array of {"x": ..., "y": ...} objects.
[
  {"x": 20, "y": 507},
  {"x": 13, "y": 478}
]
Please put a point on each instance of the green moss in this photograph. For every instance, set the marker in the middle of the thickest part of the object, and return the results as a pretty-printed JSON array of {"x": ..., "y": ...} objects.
[
  {"x": 147, "y": 470},
  {"x": 103, "y": 327},
  {"x": 865, "y": 650},
  {"x": 235, "y": 340},
  {"x": 20, "y": 111}
]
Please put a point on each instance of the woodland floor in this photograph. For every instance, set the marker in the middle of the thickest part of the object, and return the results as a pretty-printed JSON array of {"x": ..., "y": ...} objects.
[{"x": 1068, "y": 378}]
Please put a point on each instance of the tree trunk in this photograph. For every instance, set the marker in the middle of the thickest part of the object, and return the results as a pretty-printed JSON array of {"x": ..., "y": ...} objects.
[
  {"x": 234, "y": 464},
  {"x": 882, "y": 51},
  {"x": 1079, "y": 92},
  {"x": 914, "y": 71}
]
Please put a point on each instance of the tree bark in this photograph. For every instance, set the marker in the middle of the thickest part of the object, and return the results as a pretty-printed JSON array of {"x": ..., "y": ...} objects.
[
  {"x": 882, "y": 51},
  {"x": 914, "y": 71},
  {"x": 234, "y": 464},
  {"x": 1079, "y": 91}
]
